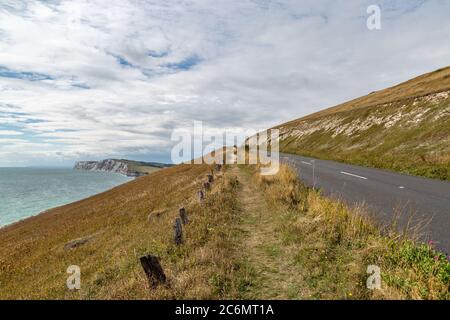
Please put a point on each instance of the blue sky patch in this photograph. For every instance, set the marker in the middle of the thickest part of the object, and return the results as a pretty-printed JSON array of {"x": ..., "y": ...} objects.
[
  {"x": 81, "y": 86},
  {"x": 24, "y": 75},
  {"x": 122, "y": 61},
  {"x": 156, "y": 54},
  {"x": 185, "y": 64}
]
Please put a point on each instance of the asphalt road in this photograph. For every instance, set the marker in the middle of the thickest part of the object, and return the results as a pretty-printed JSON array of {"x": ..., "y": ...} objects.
[{"x": 420, "y": 201}]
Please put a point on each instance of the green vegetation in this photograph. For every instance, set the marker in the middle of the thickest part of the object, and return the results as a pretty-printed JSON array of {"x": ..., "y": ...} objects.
[
  {"x": 122, "y": 225},
  {"x": 253, "y": 237},
  {"x": 333, "y": 245},
  {"x": 405, "y": 128},
  {"x": 144, "y": 167}
]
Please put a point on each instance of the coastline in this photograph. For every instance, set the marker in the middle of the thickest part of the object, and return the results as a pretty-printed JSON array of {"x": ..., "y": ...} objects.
[
  {"x": 129, "y": 168},
  {"x": 50, "y": 210},
  {"x": 75, "y": 200}
]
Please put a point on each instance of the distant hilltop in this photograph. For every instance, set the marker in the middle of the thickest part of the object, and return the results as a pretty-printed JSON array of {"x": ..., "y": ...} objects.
[
  {"x": 404, "y": 128},
  {"x": 129, "y": 168}
]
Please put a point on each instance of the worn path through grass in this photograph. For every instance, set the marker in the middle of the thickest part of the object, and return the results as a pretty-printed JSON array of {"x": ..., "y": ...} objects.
[{"x": 277, "y": 275}]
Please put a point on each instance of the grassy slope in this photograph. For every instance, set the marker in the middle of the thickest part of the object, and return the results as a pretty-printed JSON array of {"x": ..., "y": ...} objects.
[
  {"x": 143, "y": 167},
  {"x": 127, "y": 222},
  {"x": 329, "y": 247},
  {"x": 252, "y": 238},
  {"x": 405, "y": 128}
]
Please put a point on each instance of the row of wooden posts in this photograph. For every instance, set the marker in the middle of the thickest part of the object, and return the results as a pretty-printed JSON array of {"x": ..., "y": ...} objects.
[{"x": 150, "y": 263}]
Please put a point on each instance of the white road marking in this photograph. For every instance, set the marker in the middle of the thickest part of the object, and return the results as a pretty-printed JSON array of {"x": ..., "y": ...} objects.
[
  {"x": 353, "y": 175},
  {"x": 309, "y": 164},
  {"x": 402, "y": 187}
]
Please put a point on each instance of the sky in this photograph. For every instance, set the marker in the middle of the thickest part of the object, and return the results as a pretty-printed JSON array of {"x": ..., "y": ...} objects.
[{"x": 88, "y": 80}]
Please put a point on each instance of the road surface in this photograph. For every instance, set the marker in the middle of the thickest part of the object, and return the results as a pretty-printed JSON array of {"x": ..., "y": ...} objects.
[{"x": 385, "y": 193}]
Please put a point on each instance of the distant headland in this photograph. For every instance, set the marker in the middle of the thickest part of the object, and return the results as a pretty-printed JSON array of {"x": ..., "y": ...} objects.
[{"x": 129, "y": 168}]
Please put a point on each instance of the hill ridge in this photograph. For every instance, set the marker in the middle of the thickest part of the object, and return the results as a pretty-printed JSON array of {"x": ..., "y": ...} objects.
[
  {"x": 405, "y": 128},
  {"x": 444, "y": 74}
]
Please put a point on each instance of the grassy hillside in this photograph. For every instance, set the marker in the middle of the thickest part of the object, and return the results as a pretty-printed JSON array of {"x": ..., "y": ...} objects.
[
  {"x": 122, "y": 225},
  {"x": 253, "y": 237},
  {"x": 405, "y": 128},
  {"x": 144, "y": 167},
  {"x": 331, "y": 245}
]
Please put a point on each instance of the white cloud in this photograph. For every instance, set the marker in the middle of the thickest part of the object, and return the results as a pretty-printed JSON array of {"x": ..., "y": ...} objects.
[
  {"x": 86, "y": 79},
  {"x": 10, "y": 133}
]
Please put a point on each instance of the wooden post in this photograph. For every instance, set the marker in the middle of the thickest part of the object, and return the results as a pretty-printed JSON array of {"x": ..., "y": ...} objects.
[
  {"x": 210, "y": 178},
  {"x": 153, "y": 270},
  {"x": 178, "y": 231},
  {"x": 183, "y": 216},
  {"x": 201, "y": 195}
]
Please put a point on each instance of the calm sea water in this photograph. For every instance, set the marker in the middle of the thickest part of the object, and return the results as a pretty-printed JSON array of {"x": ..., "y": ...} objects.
[{"x": 28, "y": 191}]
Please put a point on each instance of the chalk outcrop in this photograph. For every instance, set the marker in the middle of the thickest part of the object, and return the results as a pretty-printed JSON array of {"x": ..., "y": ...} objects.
[
  {"x": 404, "y": 128},
  {"x": 127, "y": 167},
  {"x": 108, "y": 165}
]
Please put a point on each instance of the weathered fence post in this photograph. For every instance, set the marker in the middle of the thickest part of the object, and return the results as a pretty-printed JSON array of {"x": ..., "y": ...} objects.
[
  {"x": 201, "y": 195},
  {"x": 153, "y": 270},
  {"x": 178, "y": 231},
  {"x": 210, "y": 178},
  {"x": 183, "y": 216}
]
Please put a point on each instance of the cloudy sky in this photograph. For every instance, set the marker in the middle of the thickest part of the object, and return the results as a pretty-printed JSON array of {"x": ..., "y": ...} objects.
[{"x": 92, "y": 79}]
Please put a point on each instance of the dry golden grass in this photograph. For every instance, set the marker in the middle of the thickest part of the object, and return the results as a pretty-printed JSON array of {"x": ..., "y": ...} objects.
[
  {"x": 253, "y": 237},
  {"x": 404, "y": 128},
  {"x": 335, "y": 244},
  {"x": 125, "y": 223},
  {"x": 284, "y": 186}
]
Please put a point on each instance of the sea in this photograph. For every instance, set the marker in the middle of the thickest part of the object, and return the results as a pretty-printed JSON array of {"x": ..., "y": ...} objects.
[{"x": 25, "y": 192}]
